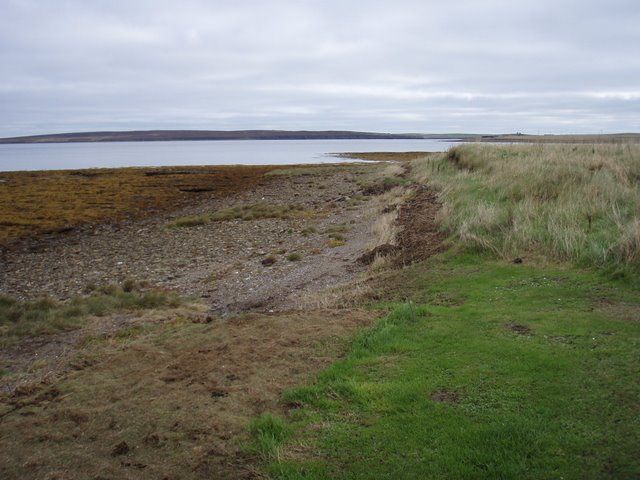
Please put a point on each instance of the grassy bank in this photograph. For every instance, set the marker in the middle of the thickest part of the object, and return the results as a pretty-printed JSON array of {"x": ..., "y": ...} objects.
[
  {"x": 486, "y": 367},
  {"x": 494, "y": 370},
  {"x": 568, "y": 202}
]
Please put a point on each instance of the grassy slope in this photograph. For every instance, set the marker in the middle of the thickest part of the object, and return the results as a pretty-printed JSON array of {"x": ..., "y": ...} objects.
[
  {"x": 446, "y": 388},
  {"x": 573, "y": 203},
  {"x": 492, "y": 369}
]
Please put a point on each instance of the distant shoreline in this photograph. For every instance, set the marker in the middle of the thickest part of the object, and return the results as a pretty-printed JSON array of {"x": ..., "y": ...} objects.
[
  {"x": 220, "y": 135},
  {"x": 190, "y": 135}
]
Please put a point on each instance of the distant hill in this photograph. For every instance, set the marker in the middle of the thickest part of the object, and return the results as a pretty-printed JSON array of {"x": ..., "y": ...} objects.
[
  {"x": 522, "y": 138},
  {"x": 172, "y": 135},
  {"x": 176, "y": 135}
]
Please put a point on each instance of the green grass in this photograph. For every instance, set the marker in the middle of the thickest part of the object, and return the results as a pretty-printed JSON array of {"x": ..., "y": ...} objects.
[
  {"x": 44, "y": 316},
  {"x": 485, "y": 369},
  {"x": 575, "y": 203},
  {"x": 268, "y": 434}
]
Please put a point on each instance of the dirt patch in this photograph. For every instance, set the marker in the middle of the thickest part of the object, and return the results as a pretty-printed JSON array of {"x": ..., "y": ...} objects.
[
  {"x": 618, "y": 310},
  {"x": 519, "y": 328},
  {"x": 420, "y": 236},
  {"x": 179, "y": 397},
  {"x": 445, "y": 396}
]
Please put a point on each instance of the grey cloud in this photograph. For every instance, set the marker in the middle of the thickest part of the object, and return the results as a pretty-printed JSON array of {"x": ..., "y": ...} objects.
[{"x": 425, "y": 66}]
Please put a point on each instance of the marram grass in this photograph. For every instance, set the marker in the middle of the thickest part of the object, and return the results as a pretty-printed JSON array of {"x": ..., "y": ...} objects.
[{"x": 578, "y": 203}]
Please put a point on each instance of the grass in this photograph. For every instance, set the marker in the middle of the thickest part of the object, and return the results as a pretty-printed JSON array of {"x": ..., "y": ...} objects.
[
  {"x": 244, "y": 212},
  {"x": 576, "y": 203},
  {"x": 294, "y": 257},
  {"x": 259, "y": 211},
  {"x": 268, "y": 434},
  {"x": 19, "y": 319},
  {"x": 190, "y": 221},
  {"x": 488, "y": 370}
]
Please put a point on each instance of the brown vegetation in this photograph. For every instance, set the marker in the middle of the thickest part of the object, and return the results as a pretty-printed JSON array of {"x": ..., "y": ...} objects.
[
  {"x": 35, "y": 203},
  {"x": 172, "y": 400}
]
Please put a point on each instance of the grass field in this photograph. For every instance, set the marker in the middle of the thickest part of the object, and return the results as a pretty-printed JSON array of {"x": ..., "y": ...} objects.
[
  {"x": 491, "y": 370},
  {"x": 486, "y": 367}
]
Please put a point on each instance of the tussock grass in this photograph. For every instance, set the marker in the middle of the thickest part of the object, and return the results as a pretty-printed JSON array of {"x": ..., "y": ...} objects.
[
  {"x": 268, "y": 433},
  {"x": 384, "y": 230},
  {"x": 578, "y": 203},
  {"x": 336, "y": 242},
  {"x": 44, "y": 316},
  {"x": 260, "y": 211},
  {"x": 191, "y": 221}
]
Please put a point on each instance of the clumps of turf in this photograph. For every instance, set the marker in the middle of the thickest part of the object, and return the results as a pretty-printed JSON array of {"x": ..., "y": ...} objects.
[
  {"x": 45, "y": 316},
  {"x": 268, "y": 433},
  {"x": 191, "y": 221},
  {"x": 335, "y": 235},
  {"x": 336, "y": 229},
  {"x": 256, "y": 211},
  {"x": 260, "y": 211},
  {"x": 334, "y": 242},
  {"x": 294, "y": 257}
]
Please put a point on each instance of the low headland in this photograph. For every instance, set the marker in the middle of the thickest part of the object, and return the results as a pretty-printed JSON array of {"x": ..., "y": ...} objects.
[
  {"x": 179, "y": 135},
  {"x": 192, "y": 135}
]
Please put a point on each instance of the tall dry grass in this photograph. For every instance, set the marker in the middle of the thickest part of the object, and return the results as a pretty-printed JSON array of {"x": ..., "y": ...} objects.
[{"x": 579, "y": 203}]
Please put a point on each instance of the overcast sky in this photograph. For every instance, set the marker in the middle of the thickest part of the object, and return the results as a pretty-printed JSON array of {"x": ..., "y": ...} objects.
[{"x": 401, "y": 66}]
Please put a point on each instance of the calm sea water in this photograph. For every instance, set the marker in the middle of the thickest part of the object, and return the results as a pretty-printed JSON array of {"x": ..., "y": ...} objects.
[{"x": 51, "y": 156}]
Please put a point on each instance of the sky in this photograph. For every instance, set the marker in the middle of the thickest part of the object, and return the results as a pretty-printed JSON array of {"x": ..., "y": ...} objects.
[{"x": 477, "y": 66}]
